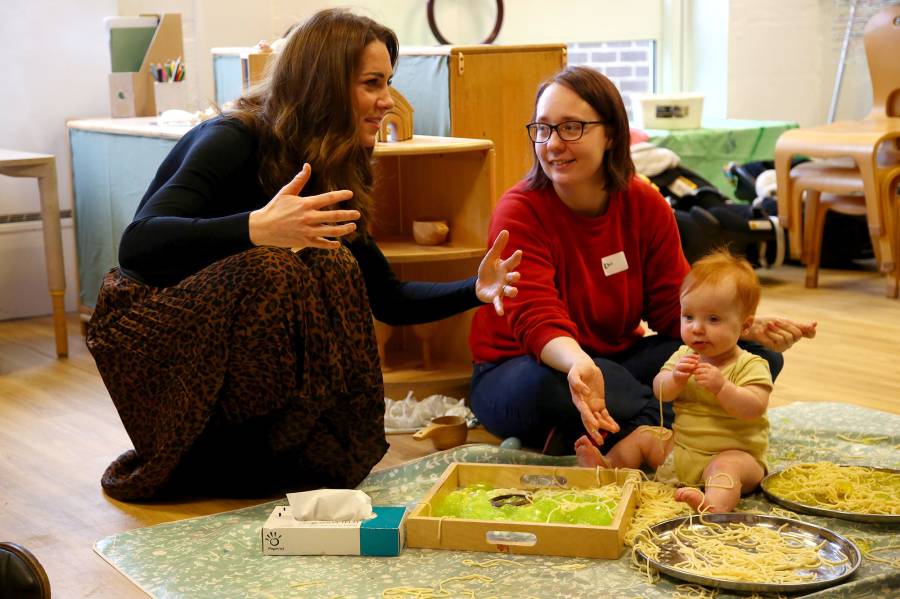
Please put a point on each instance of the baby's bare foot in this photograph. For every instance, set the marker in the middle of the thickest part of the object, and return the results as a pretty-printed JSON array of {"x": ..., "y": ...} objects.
[
  {"x": 588, "y": 454},
  {"x": 692, "y": 496}
]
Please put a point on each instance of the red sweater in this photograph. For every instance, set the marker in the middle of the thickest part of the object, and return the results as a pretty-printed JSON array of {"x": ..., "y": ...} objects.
[{"x": 564, "y": 291}]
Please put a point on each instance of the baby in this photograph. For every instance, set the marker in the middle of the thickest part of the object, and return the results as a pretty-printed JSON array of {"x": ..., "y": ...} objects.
[{"x": 720, "y": 394}]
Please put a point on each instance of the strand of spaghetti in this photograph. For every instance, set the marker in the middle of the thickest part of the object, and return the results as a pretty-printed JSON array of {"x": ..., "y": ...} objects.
[
  {"x": 571, "y": 567},
  {"x": 478, "y": 577},
  {"x": 861, "y": 439},
  {"x": 710, "y": 483},
  {"x": 694, "y": 591},
  {"x": 305, "y": 585},
  {"x": 490, "y": 563},
  {"x": 440, "y": 526},
  {"x": 415, "y": 592},
  {"x": 868, "y": 552}
]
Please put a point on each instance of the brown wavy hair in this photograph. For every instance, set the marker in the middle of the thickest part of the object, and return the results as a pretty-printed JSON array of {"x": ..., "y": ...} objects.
[
  {"x": 303, "y": 111},
  {"x": 598, "y": 91}
]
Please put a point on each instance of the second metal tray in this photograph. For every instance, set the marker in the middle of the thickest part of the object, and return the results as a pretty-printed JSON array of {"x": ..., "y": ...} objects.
[
  {"x": 834, "y": 548},
  {"x": 818, "y": 510}
]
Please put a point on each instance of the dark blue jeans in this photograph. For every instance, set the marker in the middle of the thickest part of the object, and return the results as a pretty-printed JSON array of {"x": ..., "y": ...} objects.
[{"x": 522, "y": 398}]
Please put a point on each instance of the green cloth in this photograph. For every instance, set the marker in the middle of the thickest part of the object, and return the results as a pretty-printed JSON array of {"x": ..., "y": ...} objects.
[
  {"x": 708, "y": 149},
  {"x": 220, "y": 555}
]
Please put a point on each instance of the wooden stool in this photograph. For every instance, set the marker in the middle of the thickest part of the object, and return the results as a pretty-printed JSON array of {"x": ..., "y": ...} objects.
[{"x": 43, "y": 168}]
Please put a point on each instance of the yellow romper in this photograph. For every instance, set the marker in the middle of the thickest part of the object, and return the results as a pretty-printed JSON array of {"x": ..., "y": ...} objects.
[{"x": 703, "y": 429}]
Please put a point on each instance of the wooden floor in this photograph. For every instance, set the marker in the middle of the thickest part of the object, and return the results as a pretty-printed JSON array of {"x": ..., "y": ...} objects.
[{"x": 58, "y": 428}]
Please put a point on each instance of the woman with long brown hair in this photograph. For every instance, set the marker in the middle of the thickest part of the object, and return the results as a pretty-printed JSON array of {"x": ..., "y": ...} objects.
[{"x": 238, "y": 365}]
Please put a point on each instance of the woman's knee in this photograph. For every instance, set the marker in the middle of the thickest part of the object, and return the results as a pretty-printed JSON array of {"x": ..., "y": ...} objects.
[{"x": 512, "y": 398}]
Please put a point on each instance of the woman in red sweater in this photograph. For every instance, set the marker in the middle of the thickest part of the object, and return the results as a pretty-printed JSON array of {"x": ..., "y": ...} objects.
[{"x": 602, "y": 254}]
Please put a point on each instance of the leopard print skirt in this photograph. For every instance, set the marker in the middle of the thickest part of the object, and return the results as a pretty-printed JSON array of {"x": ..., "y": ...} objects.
[{"x": 256, "y": 375}]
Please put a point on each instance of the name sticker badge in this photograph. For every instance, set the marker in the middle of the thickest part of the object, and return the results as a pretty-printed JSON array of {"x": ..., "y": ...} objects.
[{"x": 614, "y": 264}]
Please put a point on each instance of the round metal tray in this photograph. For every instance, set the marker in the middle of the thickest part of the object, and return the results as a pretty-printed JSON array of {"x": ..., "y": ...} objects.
[
  {"x": 822, "y": 511},
  {"x": 834, "y": 547}
]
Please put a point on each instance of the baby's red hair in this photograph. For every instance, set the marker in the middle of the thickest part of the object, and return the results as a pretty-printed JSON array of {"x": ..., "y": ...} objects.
[{"x": 720, "y": 265}]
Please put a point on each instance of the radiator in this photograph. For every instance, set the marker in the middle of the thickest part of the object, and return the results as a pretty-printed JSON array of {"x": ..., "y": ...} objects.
[{"x": 23, "y": 271}]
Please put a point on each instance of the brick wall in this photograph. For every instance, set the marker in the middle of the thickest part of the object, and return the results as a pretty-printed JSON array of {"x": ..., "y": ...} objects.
[{"x": 630, "y": 64}]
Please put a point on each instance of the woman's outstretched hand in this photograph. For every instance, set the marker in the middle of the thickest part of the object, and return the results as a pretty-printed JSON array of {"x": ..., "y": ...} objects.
[
  {"x": 496, "y": 277},
  {"x": 292, "y": 221},
  {"x": 588, "y": 394},
  {"x": 779, "y": 334}
]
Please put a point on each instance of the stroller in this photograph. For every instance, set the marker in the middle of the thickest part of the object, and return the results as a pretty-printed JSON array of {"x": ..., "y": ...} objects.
[
  {"x": 707, "y": 219},
  {"x": 846, "y": 237}
]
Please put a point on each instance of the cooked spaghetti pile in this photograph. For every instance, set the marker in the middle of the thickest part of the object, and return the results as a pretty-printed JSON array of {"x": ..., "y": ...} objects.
[
  {"x": 595, "y": 506},
  {"x": 656, "y": 502},
  {"x": 738, "y": 552},
  {"x": 842, "y": 488}
]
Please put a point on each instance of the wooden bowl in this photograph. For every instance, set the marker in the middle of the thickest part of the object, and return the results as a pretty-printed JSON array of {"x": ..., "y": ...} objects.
[
  {"x": 445, "y": 432},
  {"x": 430, "y": 232}
]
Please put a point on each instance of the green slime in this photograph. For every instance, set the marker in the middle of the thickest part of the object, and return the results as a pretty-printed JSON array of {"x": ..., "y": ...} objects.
[{"x": 562, "y": 506}]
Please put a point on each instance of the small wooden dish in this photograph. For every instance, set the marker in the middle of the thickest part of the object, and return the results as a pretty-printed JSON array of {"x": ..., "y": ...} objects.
[
  {"x": 430, "y": 232},
  {"x": 445, "y": 432}
]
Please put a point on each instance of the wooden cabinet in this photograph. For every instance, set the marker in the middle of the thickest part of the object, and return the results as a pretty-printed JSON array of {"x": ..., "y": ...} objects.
[
  {"x": 482, "y": 91},
  {"x": 432, "y": 178}
]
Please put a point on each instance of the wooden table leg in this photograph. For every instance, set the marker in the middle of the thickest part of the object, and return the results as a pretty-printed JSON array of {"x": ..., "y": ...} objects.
[
  {"x": 44, "y": 170},
  {"x": 53, "y": 251}
]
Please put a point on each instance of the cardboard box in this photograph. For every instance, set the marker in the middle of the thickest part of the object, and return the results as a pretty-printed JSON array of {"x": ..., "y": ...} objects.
[
  {"x": 131, "y": 93},
  {"x": 383, "y": 535},
  {"x": 524, "y": 537},
  {"x": 670, "y": 111}
]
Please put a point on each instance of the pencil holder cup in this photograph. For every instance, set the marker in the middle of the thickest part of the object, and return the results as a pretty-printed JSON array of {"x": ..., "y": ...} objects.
[{"x": 169, "y": 95}]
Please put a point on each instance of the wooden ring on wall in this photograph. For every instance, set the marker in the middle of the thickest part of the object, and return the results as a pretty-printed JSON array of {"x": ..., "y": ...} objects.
[{"x": 432, "y": 23}]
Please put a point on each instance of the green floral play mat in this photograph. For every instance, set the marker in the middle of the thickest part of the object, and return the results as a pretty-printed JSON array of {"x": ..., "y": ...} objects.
[{"x": 218, "y": 557}]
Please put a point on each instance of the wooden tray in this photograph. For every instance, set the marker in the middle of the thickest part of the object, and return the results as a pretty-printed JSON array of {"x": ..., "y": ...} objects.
[{"x": 523, "y": 537}]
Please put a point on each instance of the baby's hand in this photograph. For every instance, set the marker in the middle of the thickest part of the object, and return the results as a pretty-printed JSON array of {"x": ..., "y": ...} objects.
[
  {"x": 685, "y": 367},
  {"x": 709, "y": 377}
]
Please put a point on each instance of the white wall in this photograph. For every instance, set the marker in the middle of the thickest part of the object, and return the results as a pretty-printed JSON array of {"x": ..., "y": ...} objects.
[
  {"x": 776, "y": 59},
  {"x": 706, "y": 54},
  {"x": 213, "y": 23},
  {"x": 55, "y": 67}
]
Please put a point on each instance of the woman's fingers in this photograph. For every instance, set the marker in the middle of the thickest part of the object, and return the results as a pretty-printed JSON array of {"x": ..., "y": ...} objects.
[
  {"x": 328, "y": 198},
  {"x": 296, "y": 184},
  {"x": 498, "y": 245},
  {"x": 587, "y": 416},
  {"x": 334, "y": 230},
  {"x": 513, "y": 261},
  {"x": 606, "y": 421},
  {"x": 320, "y": 217}
]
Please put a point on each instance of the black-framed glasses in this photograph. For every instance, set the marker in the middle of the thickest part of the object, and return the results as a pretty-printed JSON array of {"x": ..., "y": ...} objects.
[{"x": 567, "y": 131}]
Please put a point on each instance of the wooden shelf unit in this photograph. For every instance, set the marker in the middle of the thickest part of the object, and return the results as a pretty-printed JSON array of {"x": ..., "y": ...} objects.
[
  {"x": 450, "y": 179},
  {"x": 480, "y": 91}
]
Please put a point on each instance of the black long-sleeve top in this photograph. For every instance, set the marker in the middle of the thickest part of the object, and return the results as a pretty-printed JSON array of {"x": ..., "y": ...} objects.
[{"x": 197, "y": 211}]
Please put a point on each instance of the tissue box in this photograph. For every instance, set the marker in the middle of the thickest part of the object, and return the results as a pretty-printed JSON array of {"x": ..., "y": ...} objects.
[
  {"x": 570, "y": 540},
  {"x": 670, "y": 111},
  {"x": 383, "y": 535}
]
